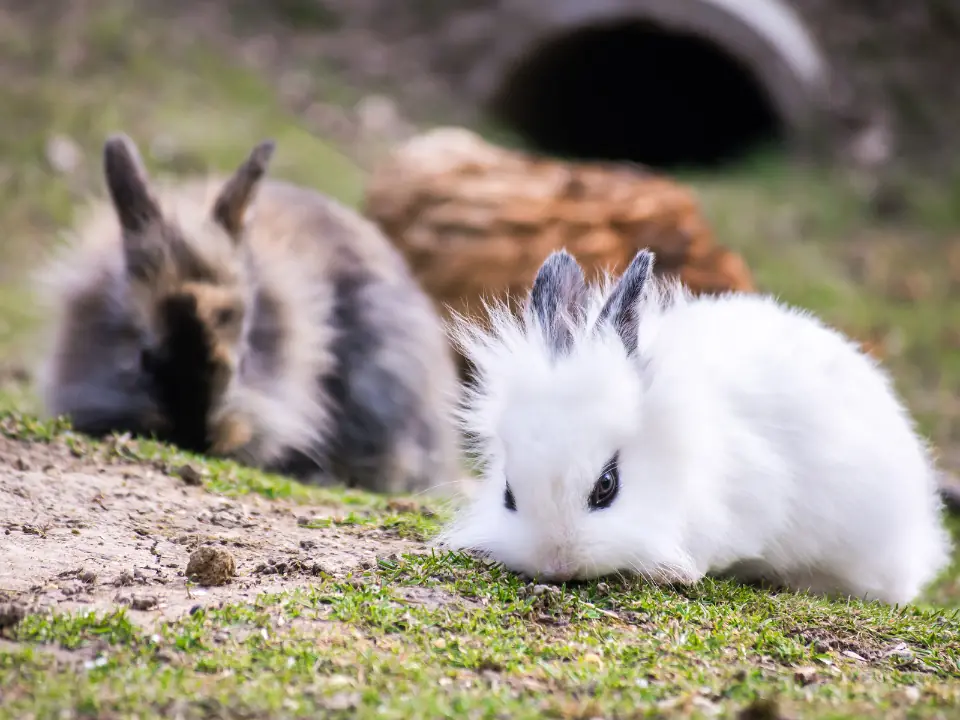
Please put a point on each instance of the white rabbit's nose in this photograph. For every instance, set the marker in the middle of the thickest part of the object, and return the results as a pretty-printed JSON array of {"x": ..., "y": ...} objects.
[{"x": 558, "y": 571}]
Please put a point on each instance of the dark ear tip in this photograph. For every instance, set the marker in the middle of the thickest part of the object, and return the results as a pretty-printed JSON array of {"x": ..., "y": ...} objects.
[
  {"x": 118, "y": 144},
  {"x": 643, "y": 260},
  {"x": 560, "y": 258},
  {"x": 263, "y": 153}
]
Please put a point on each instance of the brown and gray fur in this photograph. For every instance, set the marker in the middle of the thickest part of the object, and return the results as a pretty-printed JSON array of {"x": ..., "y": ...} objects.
[{"x": 250, "y": 318}]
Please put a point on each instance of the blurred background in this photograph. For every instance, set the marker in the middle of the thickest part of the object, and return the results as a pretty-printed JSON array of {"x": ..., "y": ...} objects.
[{"x": 818, "y": 136}]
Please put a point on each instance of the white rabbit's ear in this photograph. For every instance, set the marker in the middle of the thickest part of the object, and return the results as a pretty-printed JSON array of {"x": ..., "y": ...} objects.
[
  {"x": 622, "y": 307},
  {"x": 556, "y": 299}
]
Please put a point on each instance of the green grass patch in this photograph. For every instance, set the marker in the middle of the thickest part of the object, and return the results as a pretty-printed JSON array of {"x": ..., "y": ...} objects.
[{"x": 443, "y": 636}]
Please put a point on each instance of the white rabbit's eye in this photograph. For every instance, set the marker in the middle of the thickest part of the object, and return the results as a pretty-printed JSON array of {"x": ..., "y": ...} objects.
[
  {"x": 607, "y": 486},
  {"x": 508, "y": 500}
]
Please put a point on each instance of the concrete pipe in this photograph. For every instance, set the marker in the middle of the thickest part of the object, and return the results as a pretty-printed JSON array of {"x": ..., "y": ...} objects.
[{"x": 665, "y": 83}]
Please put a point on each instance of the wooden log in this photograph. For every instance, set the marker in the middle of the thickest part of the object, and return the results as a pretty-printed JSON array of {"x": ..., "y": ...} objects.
[{"x": 475, "y": 220}]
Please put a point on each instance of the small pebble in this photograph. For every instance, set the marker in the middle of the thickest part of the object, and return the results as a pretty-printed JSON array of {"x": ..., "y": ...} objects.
[
  {"x": 341, "y": 701},
  {"x": 190, "y": 475},
  {"x": 11, "y": 614},
  {"x": 805, "y": 676},
  {"x": 144, "y": 602},
  {"x": 211, "y": 566},
  {"x": 63, "y": 154},
  {"x": 402, "y": 505}
]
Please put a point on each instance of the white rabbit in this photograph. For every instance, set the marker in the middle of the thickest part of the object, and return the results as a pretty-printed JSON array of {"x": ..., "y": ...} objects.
[{"x": 630, "y": 427}]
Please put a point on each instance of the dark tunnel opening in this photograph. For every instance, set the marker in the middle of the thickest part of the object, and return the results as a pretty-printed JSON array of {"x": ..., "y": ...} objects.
[{"x": 634, "y": 91}]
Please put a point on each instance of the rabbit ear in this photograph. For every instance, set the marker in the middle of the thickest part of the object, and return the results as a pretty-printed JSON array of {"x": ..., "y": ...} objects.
[
  {"x": 556, "y": 299},
  {"x": 622, "y": 307},
  {"x": 236, "y": 197},
  {"x": 128, "y": 185}
]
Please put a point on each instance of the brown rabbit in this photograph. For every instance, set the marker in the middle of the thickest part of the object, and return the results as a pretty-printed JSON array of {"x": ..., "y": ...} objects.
[{"x": 250, "y": 318}]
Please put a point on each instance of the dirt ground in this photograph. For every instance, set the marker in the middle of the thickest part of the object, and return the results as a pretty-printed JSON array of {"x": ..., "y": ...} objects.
[{"x": 75, "y": 534}]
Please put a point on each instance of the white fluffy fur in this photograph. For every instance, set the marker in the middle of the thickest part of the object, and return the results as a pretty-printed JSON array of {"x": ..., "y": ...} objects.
[{"x": 754, "y": 441}]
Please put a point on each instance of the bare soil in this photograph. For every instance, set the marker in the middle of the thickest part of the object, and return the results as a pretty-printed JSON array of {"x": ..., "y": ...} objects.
[{"x": 77, "y": 534}]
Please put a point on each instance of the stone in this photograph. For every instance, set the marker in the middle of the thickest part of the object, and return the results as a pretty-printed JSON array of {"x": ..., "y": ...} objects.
[
  {"x": 63, "y": 154},
  {"x": 211, "y": 566}
]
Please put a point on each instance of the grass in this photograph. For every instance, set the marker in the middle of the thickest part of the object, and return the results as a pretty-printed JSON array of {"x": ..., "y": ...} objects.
[
  {"x": 428, "y": 634},
  {"x": 424, "y": 635},
  {"x": 489, "y": 646}
]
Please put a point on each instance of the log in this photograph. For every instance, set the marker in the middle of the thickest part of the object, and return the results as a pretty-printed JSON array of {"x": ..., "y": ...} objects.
[{"x": 475, "y": 220}]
